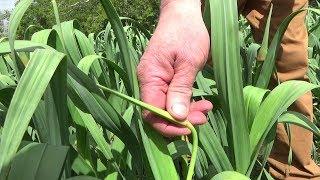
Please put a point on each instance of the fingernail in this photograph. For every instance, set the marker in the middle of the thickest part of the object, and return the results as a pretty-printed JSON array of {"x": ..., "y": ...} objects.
[{"x": 179, "y": 109}]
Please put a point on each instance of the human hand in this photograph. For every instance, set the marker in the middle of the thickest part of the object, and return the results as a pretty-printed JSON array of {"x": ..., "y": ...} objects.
[{"x": 176, "y": 52}]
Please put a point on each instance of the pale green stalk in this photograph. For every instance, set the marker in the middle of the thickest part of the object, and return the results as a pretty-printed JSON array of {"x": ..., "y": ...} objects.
[
  {"x": 194, "y": 150},
  {"x": 166, "y": 116}
]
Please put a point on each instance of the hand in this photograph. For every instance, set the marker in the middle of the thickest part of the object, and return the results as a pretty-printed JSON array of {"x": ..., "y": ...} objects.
[{"x": 167, "y": 70}]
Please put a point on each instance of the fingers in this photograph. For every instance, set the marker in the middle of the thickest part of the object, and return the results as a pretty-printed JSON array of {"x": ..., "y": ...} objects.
[
  {"x": 198, "y": 112},
  {"x": 203, "y": 105},
  {"x": 162, "y": 88},
  {"x": 154, "y": 75},
  {"x": 166, "y": 73},
  {"x": 180, "y": 91},
  {"x": 166, "y": 128},
  {"x": 197, "y": 116}
]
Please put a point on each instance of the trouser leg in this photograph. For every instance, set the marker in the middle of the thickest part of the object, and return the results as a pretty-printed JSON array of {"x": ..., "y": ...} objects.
[{"x": 291, "y": 65}]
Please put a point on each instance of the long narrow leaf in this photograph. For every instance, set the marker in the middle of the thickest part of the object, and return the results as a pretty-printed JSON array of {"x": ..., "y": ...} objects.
[
  {"x": 268, "y": 65},
  {"x": 299, "y": 120},
  {"x": 273, "y": 106},
  {"x": 14, "y": 22},
  {"x": 227, "y": 68},
  {"x": 123, "y": 44},
  {"x": 96, "y": 133},
  {"x": 21, "y": 46},
  {"x": 29, "y": 91},
  {"x": 38, "y": 161}
]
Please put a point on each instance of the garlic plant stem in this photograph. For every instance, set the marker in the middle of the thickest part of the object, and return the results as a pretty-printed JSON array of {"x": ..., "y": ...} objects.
[
  {"x": 194, "y": 150},
  {"x": 165, "y": 115}
]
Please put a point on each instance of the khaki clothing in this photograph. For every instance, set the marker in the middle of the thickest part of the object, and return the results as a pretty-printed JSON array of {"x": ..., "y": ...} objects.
[{"x": 292, "y": 64}]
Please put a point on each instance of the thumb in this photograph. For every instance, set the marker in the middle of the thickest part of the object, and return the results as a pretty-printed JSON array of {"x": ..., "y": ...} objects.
[{"x": 180, "y": 91}]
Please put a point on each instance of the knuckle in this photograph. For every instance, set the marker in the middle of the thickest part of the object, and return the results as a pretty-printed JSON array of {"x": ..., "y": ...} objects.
[
  {"x": 181, "y": 89},
  {"x": 195, "y": 58}
]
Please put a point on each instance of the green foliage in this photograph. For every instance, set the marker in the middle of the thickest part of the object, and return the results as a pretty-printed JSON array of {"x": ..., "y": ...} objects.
[
  {"x": 144, "y": 11},
  {"x": 34, "y": 158},
  {"x": 4, "y": 19},
  {"x": 88, "y": 13},
  {"x": 314, "y": 69}
]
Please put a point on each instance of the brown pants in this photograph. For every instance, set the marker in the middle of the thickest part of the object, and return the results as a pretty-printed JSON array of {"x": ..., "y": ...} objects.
[{"x": 292, "y": 64}]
